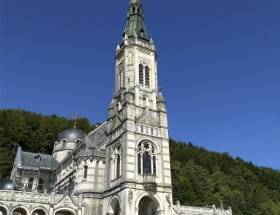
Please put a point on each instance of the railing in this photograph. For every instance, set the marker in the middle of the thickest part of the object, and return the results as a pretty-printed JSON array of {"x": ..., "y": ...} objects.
[
  {"x": 34, "y": 197},
  {"x": 33, "y": 187},
  {"x": 149, "y": 178},
  {"x": 149, "y": 182},
  {"x": 91, "y": 152},
  {"x": 188, "y": 210}
]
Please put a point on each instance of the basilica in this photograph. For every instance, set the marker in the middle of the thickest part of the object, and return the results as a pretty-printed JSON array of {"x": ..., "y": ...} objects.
[{"x": 120, "y": 168}]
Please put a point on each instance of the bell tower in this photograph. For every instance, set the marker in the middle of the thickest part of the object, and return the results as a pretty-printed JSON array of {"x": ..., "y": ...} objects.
[{"x": 138, "y": 175}]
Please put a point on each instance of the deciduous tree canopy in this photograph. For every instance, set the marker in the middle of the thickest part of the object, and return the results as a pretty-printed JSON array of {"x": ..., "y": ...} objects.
[{"x": 199, "y": 177}]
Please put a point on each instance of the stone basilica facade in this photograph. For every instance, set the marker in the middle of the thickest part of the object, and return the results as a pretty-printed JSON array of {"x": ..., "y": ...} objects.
[{"x": 120, "y": 168}]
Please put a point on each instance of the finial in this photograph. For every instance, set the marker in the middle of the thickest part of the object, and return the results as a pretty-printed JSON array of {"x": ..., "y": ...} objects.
[
  {"x": 125, "y": 39},
  {"x": 135, "y": 1},
  {"x": 118, "y": 47},
  {"x": 76, "y": 116},
  {"x": 135, "y": 34},
  {"x": 19, "y": 156}
]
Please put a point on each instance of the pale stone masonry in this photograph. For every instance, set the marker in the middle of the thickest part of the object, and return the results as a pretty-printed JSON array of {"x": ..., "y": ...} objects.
[{"x": 122, "y": 166}]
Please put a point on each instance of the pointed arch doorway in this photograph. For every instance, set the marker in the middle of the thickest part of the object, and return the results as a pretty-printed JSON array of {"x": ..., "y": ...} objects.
[
  {"x": 147, "y": 206},
  {"x": 114, "y": 208}
]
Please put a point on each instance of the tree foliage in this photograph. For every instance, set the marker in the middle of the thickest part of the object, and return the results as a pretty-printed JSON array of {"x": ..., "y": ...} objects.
[
  {"x": 199, "y": 177},
  {"x": 33, "y": 132}
]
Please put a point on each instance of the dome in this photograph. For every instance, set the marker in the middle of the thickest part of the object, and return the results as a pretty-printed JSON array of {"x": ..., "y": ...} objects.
[
  {"x": 71, "y": 135},
  {"x": 7, "y": 185}
]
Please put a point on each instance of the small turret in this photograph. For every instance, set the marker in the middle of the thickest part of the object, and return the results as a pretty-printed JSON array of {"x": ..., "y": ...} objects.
[
  {"x": 18, "y": 160},
  {"x": 67, "y": 141},
  {"x": 161, "y": 104}
]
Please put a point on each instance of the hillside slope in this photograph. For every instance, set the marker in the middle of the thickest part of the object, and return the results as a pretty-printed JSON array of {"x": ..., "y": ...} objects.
[{"x": 200, "y": 177}]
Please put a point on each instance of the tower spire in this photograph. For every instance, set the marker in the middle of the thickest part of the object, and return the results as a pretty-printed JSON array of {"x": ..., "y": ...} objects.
[
  {"x": 135, "y": 1},
  {"x": 135, "y": 25}
]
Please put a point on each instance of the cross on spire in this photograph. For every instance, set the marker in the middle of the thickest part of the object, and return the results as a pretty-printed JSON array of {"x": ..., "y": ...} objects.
[{"x": 76, "y": 116}]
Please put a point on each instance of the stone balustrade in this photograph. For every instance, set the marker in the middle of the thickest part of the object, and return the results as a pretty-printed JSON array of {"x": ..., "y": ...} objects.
[
  {"x": 34, "y": 197},
  {"x": 188, "y": 210},
  {"x": 91, "y": 152}
]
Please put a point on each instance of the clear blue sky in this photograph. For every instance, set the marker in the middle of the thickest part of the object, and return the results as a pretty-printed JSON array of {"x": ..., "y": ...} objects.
[{"x": 218, "y": 67}]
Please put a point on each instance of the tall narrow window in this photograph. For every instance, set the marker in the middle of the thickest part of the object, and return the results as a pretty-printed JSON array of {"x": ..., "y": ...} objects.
[
  {"x": 85, "y": 171},
  {"x": 141, "y": 74},
  {"x": 120, "y": 79},
  {"x": 30, "y": 184},
  {"x": 118, "y": 168},
  {"x": 146, "y": 158},
  {"x": 116, "y": 163},
  {"x": 139, "y": 164},
  {"x": 147, "y": 163},
  {"x": 71, "y": 184},
  {"x": 147, "y": 76},
  {"x": 41, "y": 185},
  {"x": 154, "y": 165}
]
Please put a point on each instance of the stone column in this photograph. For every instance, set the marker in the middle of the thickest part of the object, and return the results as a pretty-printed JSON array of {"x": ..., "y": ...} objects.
[
  {"x": 178, "y": 207},
  {"x": 51, "y": 211}
]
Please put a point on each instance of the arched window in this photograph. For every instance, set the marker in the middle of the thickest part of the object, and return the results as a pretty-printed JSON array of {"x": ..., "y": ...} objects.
[
  {"x": 3, "y": 210},
  {"x": 30, "y": 184},
  {"x": 41, "y": 185},
  {"x": 19, "y": 211},
  {"x": 147, "y": 76},
  {"x": 38, "y": 212},
  {"x": 118, "y": 167},
  {"x": 142, "y": 32},
  {"x": 64, "y": 212},
  {"x": 116, "y": 163},
  {"x": 120, "y": 79},
  {"x": 85, "y": 171},
  {"x": 141, "y": 74},
  {"x": 147, "y": 167},
  {"x": 147, "y": 164}
]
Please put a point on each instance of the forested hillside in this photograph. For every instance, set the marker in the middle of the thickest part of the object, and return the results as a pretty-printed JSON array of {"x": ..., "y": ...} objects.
[
  {"x": 33, "y": 132},
  {"x": 200, "y": 177}
]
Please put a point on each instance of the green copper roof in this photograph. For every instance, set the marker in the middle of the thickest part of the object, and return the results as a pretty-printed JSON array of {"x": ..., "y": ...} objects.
[{"x": 135, "y": 21}]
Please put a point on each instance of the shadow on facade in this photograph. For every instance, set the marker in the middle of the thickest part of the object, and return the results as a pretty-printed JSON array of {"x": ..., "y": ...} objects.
[
  {"x": 147, "y": 206},
  {"x": 3, "y": 211},
  {"x": 39, "y": 212},
  {"x": 19, "y": 211},
  {"x": 64, "y": 212}
]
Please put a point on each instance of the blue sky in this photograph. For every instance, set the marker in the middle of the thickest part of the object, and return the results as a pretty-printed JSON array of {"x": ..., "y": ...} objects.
[{"x": 218, "y": 66}]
